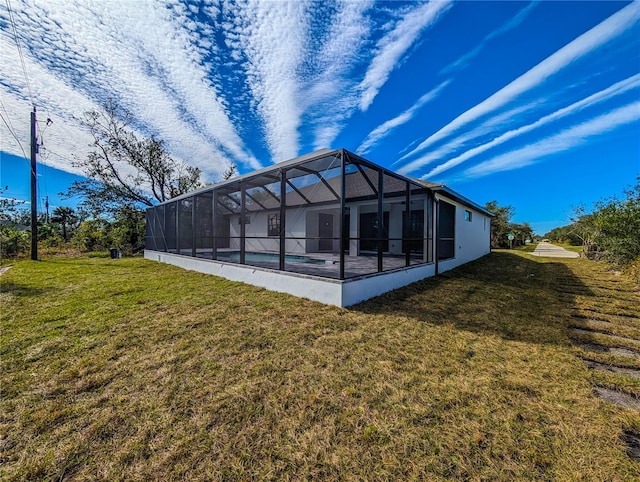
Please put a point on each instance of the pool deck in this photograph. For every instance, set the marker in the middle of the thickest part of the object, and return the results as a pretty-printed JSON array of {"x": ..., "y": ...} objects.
[{"x": 354, "y": 266}]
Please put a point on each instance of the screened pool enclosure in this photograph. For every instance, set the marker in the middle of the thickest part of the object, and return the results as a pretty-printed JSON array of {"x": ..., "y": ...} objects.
[{"x": 330, "y": 214}]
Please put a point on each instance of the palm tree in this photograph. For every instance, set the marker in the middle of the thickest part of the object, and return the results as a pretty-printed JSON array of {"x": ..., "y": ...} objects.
[{"x": 65, "y": 217}]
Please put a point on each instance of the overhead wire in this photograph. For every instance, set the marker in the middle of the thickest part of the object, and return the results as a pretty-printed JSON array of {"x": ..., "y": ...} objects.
[
  {"x": 26, "y": 158},
  {"x": 60, "y": 156},
  {"x": 15, "y": 37},
  {"x": 26, "y": 78}
]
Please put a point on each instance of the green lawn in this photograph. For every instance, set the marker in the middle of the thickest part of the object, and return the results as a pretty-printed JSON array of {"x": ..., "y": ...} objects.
[{"x": 133, "y": 370}]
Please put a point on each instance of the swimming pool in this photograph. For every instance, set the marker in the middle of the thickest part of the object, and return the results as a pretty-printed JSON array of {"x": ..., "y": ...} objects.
[{"x": 252, "y": 257}]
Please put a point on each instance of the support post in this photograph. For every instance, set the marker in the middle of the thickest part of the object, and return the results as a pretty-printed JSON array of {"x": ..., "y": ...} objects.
[
  {"x": 243, "y": 228},
  {"x": 407, "y": 235},
  {"x": 34, "y": 193},
  {"x": 283, "y": 219},
  {"x": 437, "y": 235},
  {"x": 381, "y": 226},
  {"x": 343, "y": 190}
]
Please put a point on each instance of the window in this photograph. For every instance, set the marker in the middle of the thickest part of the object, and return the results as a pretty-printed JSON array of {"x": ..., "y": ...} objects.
[
  {"x": 467, "y": 216},
  {"x": 273, "y": 225}
]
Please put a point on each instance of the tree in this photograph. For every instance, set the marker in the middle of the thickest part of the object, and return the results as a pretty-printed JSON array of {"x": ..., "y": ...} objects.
[
  {"x": 617, "y": 222},
  {"x": 14, "y": 237},
  {"x": 230, "y": 172},
  {"x": 126, "y": 170},
  {"x": 66, "y": 217},
  {"x": 128, "y": 230},
  {"x": 584, "y": 227},
  {"x": 521, "y": 232},
  {"x": 92, "y": 235},
  {"x": 500, "y": 223},
  {"x": 564, "y": 234}
]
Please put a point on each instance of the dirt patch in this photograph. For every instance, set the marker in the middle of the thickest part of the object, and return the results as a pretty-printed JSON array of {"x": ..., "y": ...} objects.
[
  {"x": 612, "y": 368},
  {"x": 621, "y": 399},
  {"x": 621, "y": 339},
  {"x": 624, "y": 352},
  {"x": 632, "y": 440},
  {"x": 595, "y": 347},
  {"x": 605, "y": 325}
]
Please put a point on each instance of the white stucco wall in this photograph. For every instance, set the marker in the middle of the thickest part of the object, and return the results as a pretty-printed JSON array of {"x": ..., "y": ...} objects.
[{"x": 472, "y": 238}]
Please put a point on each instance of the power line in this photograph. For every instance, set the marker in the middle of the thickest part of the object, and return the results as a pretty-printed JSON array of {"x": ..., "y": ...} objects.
[
  {"x": 15, "y": 37},
  {"x": 16, "y": 138},
  {"x": 7, "y": 113},
  {"x": 61, "y": 156}
]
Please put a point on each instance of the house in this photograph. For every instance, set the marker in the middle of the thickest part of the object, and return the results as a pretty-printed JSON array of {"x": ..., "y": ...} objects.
[{"x": 329, "y": 226}]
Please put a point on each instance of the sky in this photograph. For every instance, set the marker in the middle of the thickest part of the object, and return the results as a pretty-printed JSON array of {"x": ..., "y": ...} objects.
[{"x": 533, "y": 104}]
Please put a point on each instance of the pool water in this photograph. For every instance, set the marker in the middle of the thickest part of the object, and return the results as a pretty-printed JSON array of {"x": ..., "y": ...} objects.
[{"x": 251, "y": 257}]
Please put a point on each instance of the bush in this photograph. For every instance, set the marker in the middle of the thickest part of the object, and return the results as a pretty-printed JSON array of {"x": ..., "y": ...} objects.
[
  {"x": 92, "y": 235},
  {"x": 13, "y": 242},
  {"x": 618, "y": 225}
]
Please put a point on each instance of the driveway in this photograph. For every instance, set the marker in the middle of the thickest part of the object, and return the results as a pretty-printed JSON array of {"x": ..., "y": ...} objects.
[{"x": 549, "y": 250}]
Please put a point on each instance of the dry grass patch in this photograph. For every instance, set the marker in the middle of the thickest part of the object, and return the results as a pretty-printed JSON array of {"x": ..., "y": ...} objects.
[{"x": 129, "y": 369}]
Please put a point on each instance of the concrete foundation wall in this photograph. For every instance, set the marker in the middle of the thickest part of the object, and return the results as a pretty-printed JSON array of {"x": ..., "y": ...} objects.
[{"x": 323, "y": 290}]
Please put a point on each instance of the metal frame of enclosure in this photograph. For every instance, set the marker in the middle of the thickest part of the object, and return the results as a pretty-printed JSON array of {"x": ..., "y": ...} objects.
[{"x": 331, "y": 214}]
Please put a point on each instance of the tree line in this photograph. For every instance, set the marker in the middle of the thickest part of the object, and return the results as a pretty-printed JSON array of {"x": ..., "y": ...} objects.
[
  {"x": 124, "y": 174},
  {"x": 611, "y": 231},
  {"x": 502, "y": 226}
]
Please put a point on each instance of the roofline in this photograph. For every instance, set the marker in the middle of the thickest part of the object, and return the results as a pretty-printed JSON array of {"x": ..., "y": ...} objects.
[
  {"x": 433, "y": 187},
  {"x": 288, "y": 163},
  {"x": 306, "y": 157},
  {"x": 450, "y": 193}
]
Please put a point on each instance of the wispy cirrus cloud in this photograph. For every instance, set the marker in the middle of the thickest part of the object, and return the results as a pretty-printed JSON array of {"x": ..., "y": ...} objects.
[
  {"x": 510, "y": 25},
  {"x": 618, "y": 88},
  {"x": 270, "y": 37},
  {"x": 393, "y": 46},
  {"x": 583, "y": 45},
  {"x": 387, "y": 127},
  {"x": 158, "y": 73},
  {"x": 461, "y": 142},
  {"x": 329, "y": 87},
  {"x": 384, "y": 129},
  {"x": 335, "y": 89},
  {"x": 563, "y": 141}
]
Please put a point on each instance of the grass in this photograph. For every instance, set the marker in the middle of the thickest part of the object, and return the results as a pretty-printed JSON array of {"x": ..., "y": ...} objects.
[{"x": 133, "y": 370}]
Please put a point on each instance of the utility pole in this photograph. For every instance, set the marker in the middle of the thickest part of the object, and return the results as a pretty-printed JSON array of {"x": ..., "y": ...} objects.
[
  {"x": 46, "y": 206},
  {"x": 34, "y": 193}
]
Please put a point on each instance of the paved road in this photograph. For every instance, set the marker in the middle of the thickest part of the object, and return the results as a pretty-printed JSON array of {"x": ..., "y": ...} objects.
[{"x": 549, "y": 250}]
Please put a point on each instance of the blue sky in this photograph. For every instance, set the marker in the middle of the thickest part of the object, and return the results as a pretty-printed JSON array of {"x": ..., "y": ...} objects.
[{"x": 533, "y": 104}]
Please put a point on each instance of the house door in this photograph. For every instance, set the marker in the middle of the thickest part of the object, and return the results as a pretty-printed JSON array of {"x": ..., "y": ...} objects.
[
  {"x": 370, "y": 231},
  {"x": 325, "y": 232},
  {"x": 414, "y": 231},
  {"x": 223, "y": 231}
]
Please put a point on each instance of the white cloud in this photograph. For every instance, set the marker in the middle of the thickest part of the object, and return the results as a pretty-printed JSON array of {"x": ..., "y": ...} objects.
[
  {"x": 460, "y": 142},
  {"x": 393, "y": 46},
  {"x": 137, "y": 52},
  {"x": 563, "y": 141},
  {"x": 575, "y": 50},
  {"x": 331, "y": 95},
  {"x": 384, "y": 129},
  {"x": 621, "y": 87},
  {"x": 271, "y": 36},
  {"x": 510, "y": 25}
]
